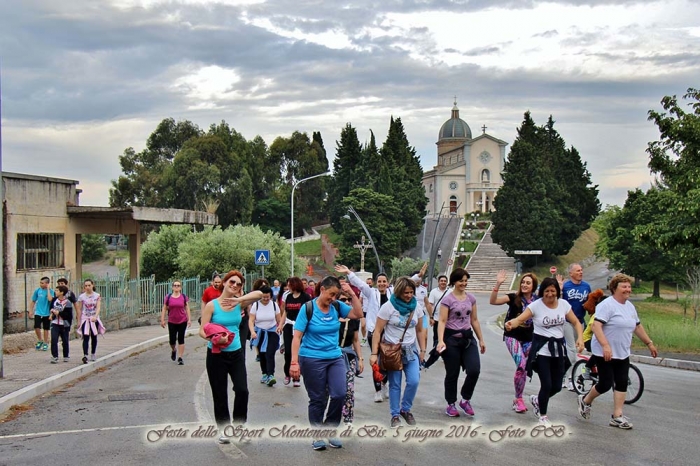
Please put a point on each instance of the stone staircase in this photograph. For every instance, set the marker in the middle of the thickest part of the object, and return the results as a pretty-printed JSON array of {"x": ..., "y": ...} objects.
[{"x": 485, "y": 263}]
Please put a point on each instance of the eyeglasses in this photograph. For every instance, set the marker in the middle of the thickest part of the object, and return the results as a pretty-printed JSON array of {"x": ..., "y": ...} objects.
[
  {"x": 234, "y": 282},
  {"x": 177, "y": 286},
  {"x": 344, "y": 300}
]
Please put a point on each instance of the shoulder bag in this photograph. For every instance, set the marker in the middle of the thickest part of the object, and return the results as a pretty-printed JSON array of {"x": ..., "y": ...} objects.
[{"x": 390, "y": 353}]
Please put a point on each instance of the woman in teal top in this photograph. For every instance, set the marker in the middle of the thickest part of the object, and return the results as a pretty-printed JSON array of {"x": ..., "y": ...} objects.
[
  {"x": 230, "y": 362},
  {"x": 318, "y": 357}
]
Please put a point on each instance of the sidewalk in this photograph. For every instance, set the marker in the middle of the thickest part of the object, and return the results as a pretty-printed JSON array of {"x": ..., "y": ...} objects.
[{"x": 30, "y": 373}]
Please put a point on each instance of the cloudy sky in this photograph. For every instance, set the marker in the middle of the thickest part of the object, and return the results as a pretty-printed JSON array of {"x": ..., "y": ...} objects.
[{"x": 84, "y": 79}]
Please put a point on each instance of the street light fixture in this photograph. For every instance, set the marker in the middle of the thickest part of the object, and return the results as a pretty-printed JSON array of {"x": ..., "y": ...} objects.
[
  {"x": 292, "y": 231},
  {"x": 371, "y": 241}
]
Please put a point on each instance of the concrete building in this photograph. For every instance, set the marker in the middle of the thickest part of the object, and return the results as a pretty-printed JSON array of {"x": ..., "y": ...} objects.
[
  {"x": 468, "y": 172},
  {"x": 43, "y": 222}
]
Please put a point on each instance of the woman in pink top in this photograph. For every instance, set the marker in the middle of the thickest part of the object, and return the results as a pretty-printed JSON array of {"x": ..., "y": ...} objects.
[
  {"x": 90, "y": 326},
  {"x": 177, "y": 306},
  {"x": 456, "y": 343}
]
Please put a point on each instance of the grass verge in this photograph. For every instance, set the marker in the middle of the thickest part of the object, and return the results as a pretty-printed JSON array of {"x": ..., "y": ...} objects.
[{"x": 664, "y": 322}]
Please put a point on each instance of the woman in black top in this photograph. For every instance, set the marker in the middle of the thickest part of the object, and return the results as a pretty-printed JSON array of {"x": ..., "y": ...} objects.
[
  {"x": 290, "y": 306},
  {"x": 518, "y": 340},
  {"x": 352, "y": 353}
]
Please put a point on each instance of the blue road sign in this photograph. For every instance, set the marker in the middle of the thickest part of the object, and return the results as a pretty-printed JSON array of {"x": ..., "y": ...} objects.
[{"x": 262, "y": 257}]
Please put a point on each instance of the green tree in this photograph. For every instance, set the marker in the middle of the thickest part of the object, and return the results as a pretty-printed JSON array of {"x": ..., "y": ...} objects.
[
  {"x": 675, "y": 159},
  {"x": 381, "y": 223},
  {"x": 273, "y": 215},
  {"x": 546, "y": 200},
  {"x": 93, "y": 247},
  {"x": 348, "y": 155},
  {"x": 141, "y": 182},
  {"x": 159, "y": 252},
  {"x": 626, "y": 249}
]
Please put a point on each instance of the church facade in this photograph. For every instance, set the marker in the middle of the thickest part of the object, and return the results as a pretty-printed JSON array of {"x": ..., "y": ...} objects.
[{"x": 468, "y": 171}]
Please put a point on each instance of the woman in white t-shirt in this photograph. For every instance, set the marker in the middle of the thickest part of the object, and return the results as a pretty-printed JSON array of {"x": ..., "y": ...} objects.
[
  {"x": 393, "y": 319},
  {"x": 615, "y": 321},
  {"x": 548, "y": 351},
  {"x": 265, "y": 326}
]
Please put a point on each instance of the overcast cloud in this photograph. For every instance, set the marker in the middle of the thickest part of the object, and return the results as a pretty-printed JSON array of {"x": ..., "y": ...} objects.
[{"x": 83, "y": 80}]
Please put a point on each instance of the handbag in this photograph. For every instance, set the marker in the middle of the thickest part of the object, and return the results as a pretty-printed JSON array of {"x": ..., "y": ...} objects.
[{"x": 390, "y": 353}]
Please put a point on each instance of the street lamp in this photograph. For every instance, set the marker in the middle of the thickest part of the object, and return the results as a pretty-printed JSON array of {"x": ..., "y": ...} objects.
[
  {"x": 293, "y": 188},
  {"x": 376, "y": 255}
]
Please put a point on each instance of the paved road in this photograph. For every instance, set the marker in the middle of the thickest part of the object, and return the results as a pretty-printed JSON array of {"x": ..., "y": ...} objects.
[{"x": 90, "y": 422}]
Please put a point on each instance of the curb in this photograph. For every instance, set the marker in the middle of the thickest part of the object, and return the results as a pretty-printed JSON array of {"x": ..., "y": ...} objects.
[
  {"x": 666, "y": 362},
  {"x": 43, "y": 386}
]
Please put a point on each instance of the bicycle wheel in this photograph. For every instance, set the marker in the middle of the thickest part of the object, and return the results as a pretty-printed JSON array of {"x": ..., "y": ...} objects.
[
  {"x": 635, "y": 385},
  {"x": 581, "y": 384}
]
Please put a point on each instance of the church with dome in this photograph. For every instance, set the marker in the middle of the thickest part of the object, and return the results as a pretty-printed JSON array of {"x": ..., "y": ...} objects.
[{"x": 468, "y": 171}]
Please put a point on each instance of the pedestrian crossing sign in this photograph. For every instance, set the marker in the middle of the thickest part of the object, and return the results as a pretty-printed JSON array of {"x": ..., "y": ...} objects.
[{"x": 262, "y": 257}]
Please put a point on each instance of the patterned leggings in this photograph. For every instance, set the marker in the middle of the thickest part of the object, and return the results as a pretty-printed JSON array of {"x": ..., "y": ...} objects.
[
  {"x": 519, "y": 351},
  {"x": 349, "y": 406}
]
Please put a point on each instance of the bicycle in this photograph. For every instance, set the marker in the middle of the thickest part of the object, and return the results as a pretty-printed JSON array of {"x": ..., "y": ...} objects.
[{"x": 583, "y": 379}]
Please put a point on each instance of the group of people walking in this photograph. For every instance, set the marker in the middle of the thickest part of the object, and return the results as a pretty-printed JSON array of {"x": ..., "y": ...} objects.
[{"x": 53, "y": 310}]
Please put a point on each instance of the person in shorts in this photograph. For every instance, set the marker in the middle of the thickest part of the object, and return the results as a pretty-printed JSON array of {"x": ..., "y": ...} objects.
[{"x": 40, "y": 309}]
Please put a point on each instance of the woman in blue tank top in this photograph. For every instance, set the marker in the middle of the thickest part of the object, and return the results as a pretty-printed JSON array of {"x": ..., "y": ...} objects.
[{"x": 228, "y": 360}]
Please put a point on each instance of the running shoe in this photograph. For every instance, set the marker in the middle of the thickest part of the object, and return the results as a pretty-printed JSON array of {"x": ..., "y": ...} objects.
[
  {"x": 395, "y": 421},
  {"x": 66, "y": 359},
  {"x": 319, "y": 445},
  {"x": 385, "y": 390},
  {"x": 223, "y": 440},
  {"x": 451, "y": 410},
  {"x": 54, "y": 360},
  {"x": 287, "y": 380},
  {"x": 85, "y": 359},
  {"x": 180, "y": 362},
  {"x": 410, "y": 420},
  {"x": 544, "y": 421},
  {"x": 535, "y": 405},
  {"x": 519, "y": 405},
  {"x": 335, "y": 442},
  {"x": 620, "y": 422},
  {"x": 93, "y": 358},
  {"x": 378, "y": 398},
  {"x": 38, "y": 345},
  {"x": 466, "y": 407},
  {"x": 296, "y": 383},
  {"x": 584, "y": 409},
  {"x": 271, "y": 380},
  {"x": 264, "y": 378},
  {"x": 172, "y": 354},
  {"x": 44, "y": 347},
  {"x": 570, "y": 386}
]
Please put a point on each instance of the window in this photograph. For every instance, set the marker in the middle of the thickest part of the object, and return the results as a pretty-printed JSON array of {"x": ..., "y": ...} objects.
[
  {"x": 39, "y": 251},
  {"x": 453, "y": 205}
]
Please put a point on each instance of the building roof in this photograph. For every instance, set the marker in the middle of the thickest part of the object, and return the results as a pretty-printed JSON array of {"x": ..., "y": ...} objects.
[
  {"x": 50, "y": 179},
  {"x": 455, "y": 127},
  {"x": 144, "y": 214}
]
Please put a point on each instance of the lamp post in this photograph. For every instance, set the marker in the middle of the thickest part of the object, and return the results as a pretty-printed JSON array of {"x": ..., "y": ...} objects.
[
  {"x": 292, "y": 231},
  {"x": 376, "y": 255}
]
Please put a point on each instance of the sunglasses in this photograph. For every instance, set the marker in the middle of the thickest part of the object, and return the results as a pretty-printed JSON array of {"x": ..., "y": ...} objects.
[
  {"x": 177, "y": 286},
  {"x": 234, "y": 282},
  {"x": 344, "y": 300}
]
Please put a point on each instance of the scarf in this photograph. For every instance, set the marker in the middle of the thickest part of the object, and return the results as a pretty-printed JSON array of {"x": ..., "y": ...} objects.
[{"x": 403, "y": 307}]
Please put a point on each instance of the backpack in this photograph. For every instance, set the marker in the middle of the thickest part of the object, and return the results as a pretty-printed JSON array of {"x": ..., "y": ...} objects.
[
  {"x": 274, "y": 306},
  {"x": 167, "y": 301},
  {"x": 309, "y": 306}
]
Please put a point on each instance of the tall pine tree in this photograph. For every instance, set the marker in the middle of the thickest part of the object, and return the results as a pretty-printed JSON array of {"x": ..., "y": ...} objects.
[{"x": 348, "y": 156}]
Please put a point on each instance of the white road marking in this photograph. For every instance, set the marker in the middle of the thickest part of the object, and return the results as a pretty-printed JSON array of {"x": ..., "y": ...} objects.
[{"x": 95, "y": 429}]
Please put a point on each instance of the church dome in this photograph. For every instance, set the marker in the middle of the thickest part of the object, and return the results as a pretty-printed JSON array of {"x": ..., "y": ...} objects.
[{"x": 455, "y": 127}]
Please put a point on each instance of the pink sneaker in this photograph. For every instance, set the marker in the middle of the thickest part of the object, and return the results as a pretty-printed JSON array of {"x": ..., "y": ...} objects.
[
  {"x": 466, "y": 407},
  {"x": 519, "y": 405},
  {"x": 296, "y": 383},
  {"x": 451, "y": 410},
  {"x": 287, "y": 380}
]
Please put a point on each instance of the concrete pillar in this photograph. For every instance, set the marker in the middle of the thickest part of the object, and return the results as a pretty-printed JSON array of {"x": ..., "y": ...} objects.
[
  {"x": 483, "y": 201},
  {"x": 78, "y": 260},
  {"x": 134, "y": 254},
  {"x": 470, "y": 202}
]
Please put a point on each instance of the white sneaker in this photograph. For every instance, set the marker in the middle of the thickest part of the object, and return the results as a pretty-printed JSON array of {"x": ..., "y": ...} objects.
[
  {"x": 223, "y": 440},
  {"x": 378, "y": 398},
  {"x": 570, "y": 386},
  {"x": 544, "y": 421},
  {"x": 385, "y": 390}
]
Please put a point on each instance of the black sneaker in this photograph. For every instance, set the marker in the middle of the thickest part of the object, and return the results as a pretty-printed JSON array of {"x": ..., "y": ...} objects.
[
  {"x": 85, "y": 360},
  {"x": 410, "y": 420},
  {"x": 172, "y": 355},
  {"x": 180, "y": 362}
]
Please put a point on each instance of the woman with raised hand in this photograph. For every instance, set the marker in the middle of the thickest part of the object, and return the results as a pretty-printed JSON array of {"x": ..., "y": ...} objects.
[
  {"x": 518, "y": 340},
  {"x": 402, "y": 322},
  {"x": 227, "y": 360},
  {"x": 457, "y": 326},
  {"x": 615, "y": 322},
  {"x": 548, "y": 351},
  {"x": 319, "y": 358},
  {"x": 291, "y": 303}
]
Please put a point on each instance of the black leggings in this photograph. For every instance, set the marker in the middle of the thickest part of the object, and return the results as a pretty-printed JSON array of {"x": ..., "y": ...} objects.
[
  {"x": 88, "y": 336},
  {"x": 177, "y": 332},
  {"x": 267, "y": 358},
  {"x": 612, "y": 374},
  {"x": 287, "y": 335},
  {"x": 220, "y": 367},
  {"x": 456, "y": 357},
  {"x": 549, "y": 371}
]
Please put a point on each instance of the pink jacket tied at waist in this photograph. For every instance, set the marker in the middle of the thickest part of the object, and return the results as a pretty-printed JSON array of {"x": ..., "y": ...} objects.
[
  {"x": 96, "y": 327},
  {"x": 214, "y": 333}
]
